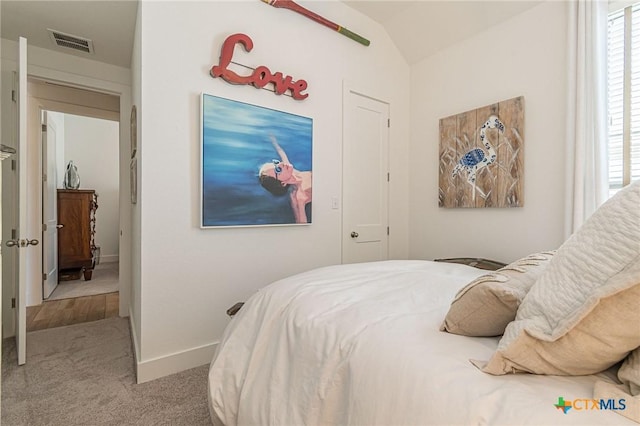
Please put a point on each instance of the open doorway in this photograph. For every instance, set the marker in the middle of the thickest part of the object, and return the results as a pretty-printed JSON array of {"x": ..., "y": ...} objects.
[
  {"x": 103, "y": 90},
  {"x": 91, "y": 146},
  {"x": 80, "y": 248}
]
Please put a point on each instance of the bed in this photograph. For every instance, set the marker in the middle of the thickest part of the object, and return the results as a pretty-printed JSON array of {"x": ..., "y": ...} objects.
[{"x": 361, "y": 344}]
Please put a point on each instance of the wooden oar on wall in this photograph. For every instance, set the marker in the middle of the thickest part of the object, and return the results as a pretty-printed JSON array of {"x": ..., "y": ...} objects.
[{"x": 291, "y": 5}]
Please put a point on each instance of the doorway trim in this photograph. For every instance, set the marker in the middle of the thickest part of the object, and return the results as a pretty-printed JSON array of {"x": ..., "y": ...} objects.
[
  {"x": 72, "y": 108},
  {"x": 39, "y": 92},
  {"x": 350, "y": 88}
]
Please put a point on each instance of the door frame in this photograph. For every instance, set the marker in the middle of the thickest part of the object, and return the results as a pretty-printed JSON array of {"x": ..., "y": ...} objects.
[
  {"x": 68, "y": 79},
  {"x": 40, "y": 104},
  {"x": 49, "y": 238},
  {"x": 22, "y": 187},
  {"x": 56, "y": 105},
  {"x": 349, "y": 87}
]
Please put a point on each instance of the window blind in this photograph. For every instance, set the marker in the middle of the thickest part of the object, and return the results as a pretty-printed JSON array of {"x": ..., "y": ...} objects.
[
  {"x": 623, "y": 102},
  {"x": 634, "y": 151}
]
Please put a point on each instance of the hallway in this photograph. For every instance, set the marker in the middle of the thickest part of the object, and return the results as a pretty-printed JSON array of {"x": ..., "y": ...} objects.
[
  {"x": 78, "y": 301},
  {"x": 104, "y": 280},
  {"x": 58, "y": 313}
]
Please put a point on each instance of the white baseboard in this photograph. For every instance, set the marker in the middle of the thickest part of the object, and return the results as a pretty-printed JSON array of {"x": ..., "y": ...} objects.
[
  {"x": 109, "y": 258},
  {"x": 174, "y": 363},
  {"x": 170, "y": 364}
]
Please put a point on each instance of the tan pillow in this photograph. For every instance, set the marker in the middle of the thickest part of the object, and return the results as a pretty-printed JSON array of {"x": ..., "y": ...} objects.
[
  {"x": 582, "y": 315},
  {"x": 620, "y": 395},
  {"x": 603, "y": 337},
  {"x": 629, "y": 372},
  {"x": 627, "y": 393},
  {"x": 487, "y": 304}
]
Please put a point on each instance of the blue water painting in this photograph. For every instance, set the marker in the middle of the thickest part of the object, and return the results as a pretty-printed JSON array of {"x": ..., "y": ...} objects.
[{"x": 236, "y": 143}]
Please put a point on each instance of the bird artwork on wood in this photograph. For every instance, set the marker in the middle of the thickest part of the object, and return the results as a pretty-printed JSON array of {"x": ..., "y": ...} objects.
[
  {"x": 481, "y": 156},
  {"x": 476, "y": 158}
]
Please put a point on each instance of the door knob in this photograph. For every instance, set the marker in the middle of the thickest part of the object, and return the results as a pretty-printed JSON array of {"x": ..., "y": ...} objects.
[
  {"x": 60, "y": 226},
  {"x": 22, "y": 243},
  {"x": 354, "y": 234}
]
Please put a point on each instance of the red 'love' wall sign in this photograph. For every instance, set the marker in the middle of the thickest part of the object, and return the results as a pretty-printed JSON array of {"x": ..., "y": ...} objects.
[{"x": 261, "y": 76}]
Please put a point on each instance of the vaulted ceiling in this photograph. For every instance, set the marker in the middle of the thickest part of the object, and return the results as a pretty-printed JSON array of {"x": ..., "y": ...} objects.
[
  {"x": 418, "y": 28},
  {"x": 421, "y": 28}
]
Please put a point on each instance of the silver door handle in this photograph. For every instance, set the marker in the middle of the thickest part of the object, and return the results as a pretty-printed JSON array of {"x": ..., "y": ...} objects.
[
  {"x": 22, "y": 243},
  {"x": 59, "y": 226},
  {"x": 354, "y": 234}
]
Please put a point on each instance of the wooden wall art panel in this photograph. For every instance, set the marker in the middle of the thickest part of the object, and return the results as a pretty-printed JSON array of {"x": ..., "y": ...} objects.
[{"x": 481, "y": 156}]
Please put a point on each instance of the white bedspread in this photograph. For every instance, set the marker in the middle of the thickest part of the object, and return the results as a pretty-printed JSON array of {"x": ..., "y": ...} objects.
[{"x": 359, "y": 345}]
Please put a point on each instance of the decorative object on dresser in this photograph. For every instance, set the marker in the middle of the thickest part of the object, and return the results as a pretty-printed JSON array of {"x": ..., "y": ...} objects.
[
  {"x": 76, "y": 233},
  {"x": 71, "y": 177}
]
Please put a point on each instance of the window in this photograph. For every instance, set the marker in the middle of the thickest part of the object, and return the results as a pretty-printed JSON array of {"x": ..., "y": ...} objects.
[{"x": 624, "y": 96}]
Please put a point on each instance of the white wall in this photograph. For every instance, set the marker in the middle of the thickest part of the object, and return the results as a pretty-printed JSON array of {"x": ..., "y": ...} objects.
[
  {"x": 524, "y": 55},
  {"x": 190, "y": 276},
  {"x": 92, "y": 144}
]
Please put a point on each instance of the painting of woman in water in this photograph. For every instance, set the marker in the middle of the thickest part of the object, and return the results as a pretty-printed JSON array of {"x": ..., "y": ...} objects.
[
  {"x": 279, "y": 177},
  {"x": 256, "y": 165}
]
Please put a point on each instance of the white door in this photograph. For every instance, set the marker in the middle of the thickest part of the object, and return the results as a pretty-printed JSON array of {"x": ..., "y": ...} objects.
[
  {"x": 23, "y": 242},
  {"x": 365, "y": 178},
  {"x": 49, "y": 207}
]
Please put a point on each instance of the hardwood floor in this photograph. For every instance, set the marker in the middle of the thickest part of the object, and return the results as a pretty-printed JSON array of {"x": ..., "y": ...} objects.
[{"x": 57, "y": 313}]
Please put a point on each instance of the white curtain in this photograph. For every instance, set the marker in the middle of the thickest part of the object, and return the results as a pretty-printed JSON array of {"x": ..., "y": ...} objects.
[{"x": 586, "y": 150}]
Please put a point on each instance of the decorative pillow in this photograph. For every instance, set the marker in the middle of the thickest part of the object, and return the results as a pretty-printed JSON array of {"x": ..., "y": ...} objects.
[
  {"x": 581, "y": 316},
  {"x": 628, "y": 391},
  {"x": 620, "y": 395},
  {"x": 629, "y": 372},
  {"x": 487, "y": 304}
]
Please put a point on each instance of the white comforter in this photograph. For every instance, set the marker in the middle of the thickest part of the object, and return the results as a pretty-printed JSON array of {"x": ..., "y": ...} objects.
[{"x": 359, "y": 345}]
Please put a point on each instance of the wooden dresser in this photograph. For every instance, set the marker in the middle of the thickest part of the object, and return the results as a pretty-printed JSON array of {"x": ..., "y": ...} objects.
[{"x": 76, "y": 222}]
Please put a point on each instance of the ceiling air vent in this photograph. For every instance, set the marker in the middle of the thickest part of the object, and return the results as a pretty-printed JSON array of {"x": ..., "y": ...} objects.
[{"x": 71, "y": 41}]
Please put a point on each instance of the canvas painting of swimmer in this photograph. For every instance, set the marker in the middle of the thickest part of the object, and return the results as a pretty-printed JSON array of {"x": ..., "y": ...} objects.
[{"x": 256, "y": 165}]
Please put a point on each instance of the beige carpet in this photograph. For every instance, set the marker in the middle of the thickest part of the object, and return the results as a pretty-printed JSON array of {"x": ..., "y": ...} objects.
[
  {"x": 84, "y": 375},
  {"x": 103, "y": 280}
]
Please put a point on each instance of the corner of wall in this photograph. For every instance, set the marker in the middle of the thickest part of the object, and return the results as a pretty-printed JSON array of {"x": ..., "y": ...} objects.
[
  {"x": 134, "y": 340},
  {"x": 174, "y": 363}
]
